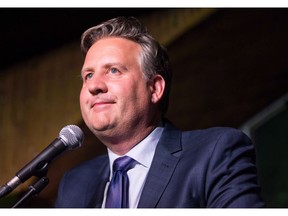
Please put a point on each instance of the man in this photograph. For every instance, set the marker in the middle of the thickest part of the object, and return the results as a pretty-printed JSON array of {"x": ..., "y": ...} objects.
[{"x": 126, "y": 81}]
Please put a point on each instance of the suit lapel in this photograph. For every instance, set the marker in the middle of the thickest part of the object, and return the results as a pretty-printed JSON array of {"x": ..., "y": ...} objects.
[
  {"x": 95, "y": 197},
  {"x": 163, "y": 165}
]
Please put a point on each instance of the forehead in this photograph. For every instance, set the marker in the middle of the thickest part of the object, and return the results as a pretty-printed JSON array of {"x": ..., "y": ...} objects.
[
  {"x": 113, "y": 50},
  {"x": 115, "y": 44}
]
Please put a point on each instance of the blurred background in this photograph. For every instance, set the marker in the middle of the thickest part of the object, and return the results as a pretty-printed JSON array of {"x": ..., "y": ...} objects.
[{"x": 230, "y": 69}]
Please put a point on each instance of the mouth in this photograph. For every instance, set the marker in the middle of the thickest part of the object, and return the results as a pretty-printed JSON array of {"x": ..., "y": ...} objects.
[
  {"x": 101, "y": 104},
  {"x": 102, "y": 101}
]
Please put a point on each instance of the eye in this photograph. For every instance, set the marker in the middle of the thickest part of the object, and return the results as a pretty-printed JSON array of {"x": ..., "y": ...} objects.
[
  {"x": 114, "y": 70},
  {"x": 88, "y": 76}
]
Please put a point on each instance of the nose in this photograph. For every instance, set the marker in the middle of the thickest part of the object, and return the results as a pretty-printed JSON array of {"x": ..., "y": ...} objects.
[{"x": 97, "y": 86}]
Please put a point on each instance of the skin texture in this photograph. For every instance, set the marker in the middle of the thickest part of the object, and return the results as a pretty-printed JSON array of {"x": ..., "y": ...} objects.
[{"x": 118, "y": 104}]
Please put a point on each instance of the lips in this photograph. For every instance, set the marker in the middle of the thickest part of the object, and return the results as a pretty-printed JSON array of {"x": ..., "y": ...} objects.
[{"x": 102, "y": 102}]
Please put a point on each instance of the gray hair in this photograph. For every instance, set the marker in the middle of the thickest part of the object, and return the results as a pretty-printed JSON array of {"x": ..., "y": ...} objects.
[{"x": 154, "y": 57}]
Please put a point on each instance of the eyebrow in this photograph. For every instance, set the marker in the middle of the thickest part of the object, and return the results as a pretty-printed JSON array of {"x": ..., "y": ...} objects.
[
  {"x": 106, "y": 66},
  {"x": 109, "y": 65},
  {"x": 83, "y": 70}
]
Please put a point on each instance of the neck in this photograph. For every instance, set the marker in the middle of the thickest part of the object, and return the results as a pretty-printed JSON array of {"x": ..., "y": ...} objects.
[{"x": 120, "y": 144}]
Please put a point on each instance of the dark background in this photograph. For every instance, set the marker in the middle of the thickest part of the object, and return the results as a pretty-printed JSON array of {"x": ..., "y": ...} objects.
[{"x": 227, "y": 68}]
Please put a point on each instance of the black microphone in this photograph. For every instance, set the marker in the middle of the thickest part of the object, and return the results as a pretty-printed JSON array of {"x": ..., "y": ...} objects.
[{"x": 70, "y": 137}]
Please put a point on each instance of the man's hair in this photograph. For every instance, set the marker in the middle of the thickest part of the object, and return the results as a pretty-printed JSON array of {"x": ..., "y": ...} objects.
[{"x": 154, "y": 57}]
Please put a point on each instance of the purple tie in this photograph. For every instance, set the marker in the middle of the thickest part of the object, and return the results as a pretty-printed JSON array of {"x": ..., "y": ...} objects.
[{"x": 118, "y": 190}]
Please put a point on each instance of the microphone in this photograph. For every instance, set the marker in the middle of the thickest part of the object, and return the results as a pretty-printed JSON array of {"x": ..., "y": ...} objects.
[{"x": 70, "y": 137}]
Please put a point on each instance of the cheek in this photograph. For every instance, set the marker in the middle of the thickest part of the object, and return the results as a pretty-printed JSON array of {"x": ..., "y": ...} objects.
[
  {"x": 82, "y": 99},
  {"x": 141, "y": 96}
]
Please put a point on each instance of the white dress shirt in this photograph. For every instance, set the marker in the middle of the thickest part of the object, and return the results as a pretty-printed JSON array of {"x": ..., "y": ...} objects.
[{"x": 143, "y": 153}]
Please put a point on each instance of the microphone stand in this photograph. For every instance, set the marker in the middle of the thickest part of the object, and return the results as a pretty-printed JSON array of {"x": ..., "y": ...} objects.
[{"x": 33, "y": 191}]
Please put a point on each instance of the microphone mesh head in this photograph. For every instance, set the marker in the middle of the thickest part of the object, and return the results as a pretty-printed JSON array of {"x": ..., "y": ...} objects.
[{"x": 72, "y": 136}]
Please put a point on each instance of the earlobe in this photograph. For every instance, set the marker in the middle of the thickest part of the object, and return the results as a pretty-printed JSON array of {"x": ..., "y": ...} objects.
[{"x": 157, "y": 88}]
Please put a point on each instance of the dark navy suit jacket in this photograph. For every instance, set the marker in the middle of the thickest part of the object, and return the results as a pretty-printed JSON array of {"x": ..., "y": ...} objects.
[{"x": 203, "y": 168}]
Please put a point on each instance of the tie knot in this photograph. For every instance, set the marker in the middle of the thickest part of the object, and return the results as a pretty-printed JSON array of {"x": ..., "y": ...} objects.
[{"x": 123, "y": 164}]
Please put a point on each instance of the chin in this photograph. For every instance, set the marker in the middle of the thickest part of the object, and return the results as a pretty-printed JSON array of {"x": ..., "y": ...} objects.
[{"x": 99, "y": 127}]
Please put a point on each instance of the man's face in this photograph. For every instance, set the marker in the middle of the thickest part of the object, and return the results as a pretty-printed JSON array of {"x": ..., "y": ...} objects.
[{"x": 115, "y": 98}]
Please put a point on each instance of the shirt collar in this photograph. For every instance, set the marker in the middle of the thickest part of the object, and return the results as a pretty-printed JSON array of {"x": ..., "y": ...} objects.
[{"x": 144, "y": 151}]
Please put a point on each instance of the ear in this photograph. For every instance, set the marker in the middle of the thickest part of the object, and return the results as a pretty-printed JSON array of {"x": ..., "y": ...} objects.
[{"x": 157, "y": 87}]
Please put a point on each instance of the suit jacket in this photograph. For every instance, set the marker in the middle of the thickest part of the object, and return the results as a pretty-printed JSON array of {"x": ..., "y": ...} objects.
[{"x": 212, "y": 167}]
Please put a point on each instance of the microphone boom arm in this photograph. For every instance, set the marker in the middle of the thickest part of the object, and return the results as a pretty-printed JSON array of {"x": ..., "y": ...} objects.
[{"x": 33, "y": 191}]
